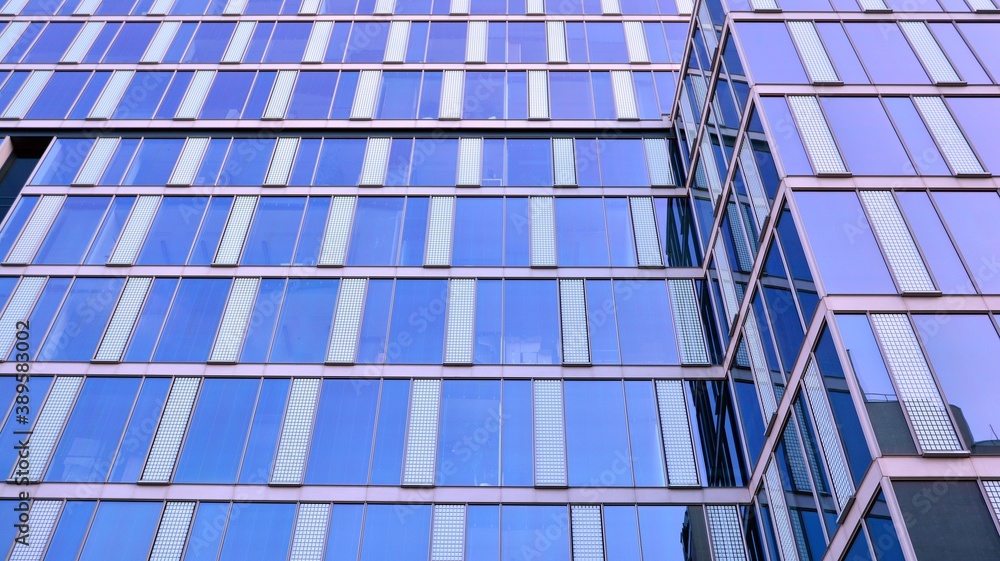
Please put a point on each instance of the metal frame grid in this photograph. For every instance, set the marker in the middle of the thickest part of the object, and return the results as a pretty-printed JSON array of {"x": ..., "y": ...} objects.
[
  {"x": 460, "y": 325},
  {"x": 172, "y": 531},
  {"x": 535, "y": 7},
  {"x": 384, "y": 7},
  {"x": 624, "y": 92},
  {"x": 162, "y": 39},
  {"x": 448, "y": 533},
  {"x": 170, "y": 431},
  {"x": 439, "y": 232},
  {"x": 194, "y": 97},
  {"x": 309, "y": 537},
  {"x": 49, "y": 424},
  {"x": 573, "y": 320},
  {"x": 543, "y": 231},
  {"x": 234, "y": 7},
  {"x": 319, "y": 38},
  {"x": 710, "y": 169},
  {"x": 755, "y": 185},
  {"x": 829, "y": 438},
  {"x": 949, "y": 137},
  {"x": 611, "y": 7},
  {"x": 238, "y": 43},
  {"x": 29, "y": 91},
  {"x": 229, "y": 339},
  {"x": 740, "y": 241},
  {"x": 725, "y": 533},
  {"x": 338, "y": 229},
  {"x": 635, "y": 42},
  {"x": 817, "y": 139},
  {"x": 43, "y": 515},
  {"x": 538, "y": 94},
  {"x": 549, "y": 423},
  {"x": 366, "y": 95},
  {"x": 422, "y": 433},
  {"x": 730, "y": 301},
  {"x": 929, "y": 52},
  {"x": 97, "y": 160},
  {"x": 586, "y": 532},
  {"x": 235, "y": 233},
  {"x": 83, "y": 41},
  {"x": 347, "y": 321},
  {"x": 452, "y": 88},
  {"x": 675, "y": 428},
  {"x": 993, "y": 494},
  {"x": 123, "y": 319},
  {"x": 281, "y": 94},
  {"x": 134, "y": 233},
  {"x": 459, "y": 7},
  {"x": 687, "y": 321},
  {"x": 296, "y": 428},
  {"x": 901, "y": 252},
  {"x": 814, "y": 56}
]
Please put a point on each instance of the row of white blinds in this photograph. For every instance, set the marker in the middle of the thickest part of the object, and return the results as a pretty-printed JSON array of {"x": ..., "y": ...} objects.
[{"x": 875, "y": 6}]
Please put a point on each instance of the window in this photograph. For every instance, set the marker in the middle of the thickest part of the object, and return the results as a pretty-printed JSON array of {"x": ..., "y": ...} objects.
[
  {"x": 597, "y": 448},
  {"x": 529, "y": 162},
  {"x": 340, "y": 160},
  {"x": 72, "y": 230},
  {"x": 978, "y": 118},
  {"x": 925, "y": 153},
  {"x": 260, "y": 530},
  {"x": 303, "y": 329},
  {"x": 147, "y": 328},
  {"x": 275, "y": 228},
  {"x": 311, "y": 98},
  {"x": 195, "y": 313},
  {"x": 478, "y": 237},
  {"x": 398, "y": 95},
  {"x": 217, "y": 431},
  {"x": 938, "y": 251},
  {"x": 263, "y": 440},
  {"x": 247, "y": 162},
  {"x": 865, "y": 136},
  {"x": 45, "y": 309},
  {"x": 227, "y": 95},
  {"x": 446, "y": 42},
  {"x": 106, "y": 533},
  {"x": 288, "y": 42},
  {"x": 154, "y": 161},
  {"x": 313, "y": 226},
  {"x": 621, "y": 533},
  {"x": 657, "y": 526},
  {"x": 971, "y": 535},
  {"x": 377, "y": 225},
  {"x": 410, "y": 533},
  {"x": 644, "y": 434},
  {"x": 531, "y": 329},
  {"x": 375, "y": 322},
  {"x": 259, "y": 333},
  {"x": 411, "y": 247},
  {"x": 342, "y": 439},
  {"x": 387, "y": 463},
  {"x": 209, "y": 42},
  {"x": 970, "y": 217},
  {"x": 416, "y": 332},
  {"x": 482, "y": 532},
  {"x": 469, "y": 441},
  {"x": 770, "y": 53},
  {"x": 886, "y": 54},
  {"x": 206, "y": 532},
  {"x": 131, "y": 42},
  {"x": 52, "y": 43},
  {"x": 139, "y": 433},
  {"x": 56, "y": 99},
  {"x": 434, "y": 161},
  {"x": 526, "y": 42},
  {"x": 62, "y": 161},
  {"x": 645, "y": 324},
  {"x": 623, "y": 162},
  {"x": 72, "y": 528},
  {"x": 345, "y": 532},
  {"x": 575, "y": 95},
  {"x": 580, "y": 232},
  {"x": 107, "y": 236},
  {"x": 142, "y": 95},
  {"x": 172, "y": 231},
  {"x": 78, "y": 328},
  {"x": 367, "y": 42},
  {"x": 521, "y": 526}
]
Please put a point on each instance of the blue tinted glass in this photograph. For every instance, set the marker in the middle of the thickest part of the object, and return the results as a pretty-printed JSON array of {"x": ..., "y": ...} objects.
[
  {"x": 342, "y": 440},
  {"x": 90, "y": 94},
  {"x": 263, "y": 440},
  {"x": 398, "y": 95},
  {"x": 517, "y": 95},
  {"x": 183, "y": 35},
  {"x": 311, "y": 98},
  {"x": 375, "y": 323},
  {"x": 842, "y": 54},
  {"x": 750, "y": 415},
  {"x": 106, "y": 531},
  {"x": 340, "y": 161},
  {"x": 259, "y": 95},
  {"x": 55, "y": 100},
  {"x": 304, "y": 326},
  {"x": 11, "y": 86},
  {"x": 446, "y": 42},
  {"x": 981, "y": 38},
  {"x": 345, "y": 532},
  {"x": 206, "y": 532},
  {"x": 107, "y": 236},
  {"x": 484, "y": 95},
  {"x": 621, "y": 530},
  {"x": 313, "y": 226},
  {"x": 782, "y": 128},
  {"x": 305, "y": 160},
  {"x": 169, "y": 239},
  {"x": 770, "y": 53},
  {"x": 62, "y": 161},
  {"x": 367, "y": 43},
  {"x": 516, "y": 234},
  {"x": 195, "y": 314},
  {"x": 257, "y": 341},
  {"x": 247, "y": 161},
  {"x": 482, "y": 534},
  {"x": 52, "y": 43},
  {"x": 581, "y": 238},
  {"x": 886, "y": 54},
  {"x": 623, "y": 162},
  {"x": 416, "y": 330},
  {"x": 659, "y": 527},
  {"x": 387, "y": 462},
  {"x": 7, "y": 285},
  {"x": 338, "y": 38},
  {"x": 211, "y": 231},
  {"x": 342, "y": 102},
  {"x": 175, "y": 94},
  {"x": 434, "y": 161},
  {"x": 935, "y": 245},
  {"x": 469, "y": 438},
  {"x": 398, "y": 172},
  {"x": 36, "y": 390},
  {"x": 139, "y": 433},
  {"x": 529, "y": 162},
  {"x": 217, "y": 431},
  {"x": 597, "y": 451},
  {"x": 142, "y": 95},
  {"x": 785, "y": 320},
  {"x": 601, "y": 323},
  {"x": 526, "y": 42},
  {"x": 288, "y": 42},
  {"x": 80, "y": 324},
  {"x": 645, "y": 95},
  {"x": 260, "y": 530},
  {"x": 411, "y": 251},
  {"x": 496, "y": 37},
  {"x": 275, "y": 229},
  {"x": 377, "y": 225},
  {"x": 977, "y": 117},
  {"x": 647, "y": 459},
  {"x": 148, "y": 326},
  {"x": 862, "y": 131},
  {"x": 478, "y": 232},
  {"x": 620, "y": 232},
  {"x": 45, "y": 309},
  {"x": 911, "y": 127},
  {"x": 131, "y": 43},
  {"x": 572, "y": 89},
  {"x": 264, "y": 7},
  {"x": 493, "y": 162},
  {"x": 209, "y": 42},
  {"x": 68, "y": 536},
  {"x": 489, "y": 309},
  {"x": 410, "y": 529},
  {"x": 71, "y": 232},
  {"x": 258, "y": 42},
  {"x": 227, "y": 96},
  {"x": 154, "y": 162},
  {"x": 522, "y": 526},
  {"x": 15, "y": 221},
  {"x": 531, "y": 326},
  {"x": 645, "y": 327},
  {"x": 518, "y": 466}
]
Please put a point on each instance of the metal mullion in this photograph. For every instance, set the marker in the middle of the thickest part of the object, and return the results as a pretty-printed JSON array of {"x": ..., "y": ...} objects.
[
  {"x": 270, "y": 344},
  {"x": 378, "y": 415}
]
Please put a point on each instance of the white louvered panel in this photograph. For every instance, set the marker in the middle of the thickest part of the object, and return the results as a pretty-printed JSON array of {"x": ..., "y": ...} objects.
[
  {"x": 873, "y": 6},
  {"x": 319, "y": 39},
  {"x": 281, "y": 93},
  {"x": 452, "y": 85},
  {"x": 563, "y": 162},
  {"x": 755, "y": 185},
  {"x": 624, "y": 89},
  {"x": 588, "y": 538},
  {"x": 135, "y": 230},
  {"x": 376, "y": 161},
  {"x": 310, "y": 533},
  {"x": 610, "y": 7},
  {"x": 42, "y": 516},
  {"x": 549, "y": 434},
  {"x": 13, "y": 31},
  {"x": 538, "y": 94},
  {"x": 399, "y": 35},
  {"x": 34, "y": 231},
  {"x": 635, "y": 41},
  {"x": 534, "y": 7},
  {"x": 949, "y": 137},
  {"x": 173, "y": 531},
  {"x": 976, "y": 5},
  {"x": 231, "y": 246},
  {"x": 900, "y": 250},
  {"x": 993, "y": 494},
  {"x": 475, "y": 43},
  {"x": 384, "y": 7},
  {"x": 470, "y": 162},
  {"x": 229, "y": 339},
  {"x": 112, "y": 94},
  {"x": 647, "y": 243},
  {"x": 658, "y": 163},
  {"x": 459, "y": 7},
  {"x": 915, "y": 383},
  {"x": 439, "y": 228},
  {"x": 543, "y": 232},
  {"x": 764, "y": 5},
  {"x": 83, "y": 41},
  {"x": 281, "y": 161},
  {"x": 573, "y": 315},
  {"x": 86, "y": 8},
  {"x": 814, "y": 55},
  {"x": 18, "y": 308},
  {"x": 123, "y": 319},
  {"x": 347, "y": 321},
  {"x": 195, "y": 95},
  {"x": 45, "y": 433},
  {"x": 729, "y": 300},
  {"x": 293, "y": 444},
  {"x": 422, "y": 433},
  {"x": 188, "y": 162},
  {"x": 843, "y": 487},
  {"x": 238, "y": 44},
  {"x": 366, "y": 94},
  {"x": 687, "y": 322},
  {"x": 161, "y": 41},
  {"x": 779, "y": 513},
  {"x": 448, "y": 533},
  {"x": 725, "y": 533},
  {"x": 678, "y": 448},
  {"x": 816, "y": 135},
  {"x": 338, "y": 228},
  {"x": 170, "y": 432},
  {"x": 555, "y": 35},
  {"x": 758, "y": 365},
  {"x": 96, "y": 161},
  {"x": 460, "y": 325},
  {"x": 160, "y": 8},
  {"x": 930, "y": 53},
  {"x": 711, "y": 169},
  {"x": 740, "y": 242},
  {"x": 309, "y": 7},
  {"x": 234, "y": 7},
  {"x": 13, "y": 7},
  {"x": 687, "y": 114},
  {"x": 26, "y": 95}
]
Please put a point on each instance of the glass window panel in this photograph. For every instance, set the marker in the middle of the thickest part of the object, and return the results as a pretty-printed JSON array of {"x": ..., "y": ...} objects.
[
  {"x": 209, "y": 42},
  {"x": 377, "y": 225},
  {"x": 259, "y": 95},
  {"x": 181, "y": 39},
  {"x": 620, "y": 236},
  {"x": 430, "y": 98},
  {"x": 142, "y": 95},
  {"x": 621, "y": 530},
  {"x": 938, "y": 251},
  {"x": 263, "y": 440},
  {"x": 970, "y": 216},
  {"x": 304, "y": 325},
  {"x": 305, "y": 159},
  {"x": 131, "y": 43},
  {"x": 581, "y": 237},
  {"x": 623, "y": 162},
  {"x": 227, "y": 96},
  {"x": 922, "y": 147},
  {"x": 531, "y": 326},
  {"x": 979, "y": 118},
  {"x": 71, "y": 232},
  {"x": 195, "y": 313},
  {"x": 260, "y": 530},
  {"x": 211, "y": 231},
  {"x": 645, "y": 326},
  {"x": 434, "y": 161},
  {"x": 79, "y": 326},
  {"x": 886, "y": 54},
  {"x": 342, "y": 440},
  {"x": 154, "y": 162},
  {"x": 11, "y": 86},
  {"x": 469, "y": 438},
  {"x": 119, "y": 161},
  {"x": 139, "y": 433},
  {"x": 247, "y": 161},
  {"x": 288, "y": 42},
  {"x": 411, "y": 251},
  {"x": 517, "y": 95},
  {"x": 106, "y": 533},
  {"x": 446, "y": 42},
  {"x": 644, "y": 436},
  {"x": 104, "y": 38},
  {"x": 529, "y": 162},
  {"x": 410, "y": 533},
  {"x": 45, "y": 309},
  {"x": 482, "y": 534},
  {"x": 367, "y": 42},
  {"x": 218, "y": 431},
  {"x": 313, "y": 227},
  {"x": 659, "y": 527},
  {"x": 398, "y": 95},
  {"x": 489, "y": 296},
  {"x": 601, "y": 323},
  {"x": 345, "y": 532},
  {"x": 959, "y": 53},
  {"x": 375, "y": 323},
  {"x": 484, "y": 95},
  {"x": 526, "y": 42},
  {"x": 645, "y": 95},
  {"x": 206, "y": 532},
  {"x": 147, "y": 328},
  {"x": 982, "y": 39},
  {"x": 863, "y": 130},
  {"x": 55, "y": 100},
  {"x": 258, "y": 42},
  {"x": 750, "y": 417},
  {"x": 175, "y": 94},
  {"x": 311, "y": 98},
  {"x": 493, "y": 161},
  {"x": 387, "y": 462},
  {"x": 398, "y": 172},
  {"x": 523, "y": 524},
  {"x": 169, "y": 239},
  {"x": 340, "y": 161},
  {"x": 572, "y": 89},
  {"x": 62, "y": 161},
  {"x": 8, "y": 439},
  {"x": 770, "y": 53},
  {"x": 275, "y": 229},
  {"x": 416, "y": 332},
  {"x": 786, "y": 136},
  {"x": 516, "y": 232},
  {"x": 257, "y": 340},
  {"x": 68, "y": 536},
  {"x": 496, "y": 36},
  {"x": 607, "y": 42},
  {"x": 597, "y": 450},
  {"x": 478, "y": 232}
]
